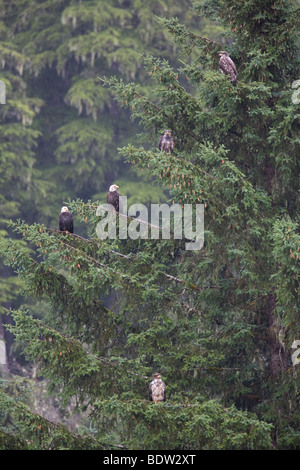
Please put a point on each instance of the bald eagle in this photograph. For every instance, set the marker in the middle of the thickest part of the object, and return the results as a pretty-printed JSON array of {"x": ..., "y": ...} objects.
[
  {"x": 65, "y": 220},
  {"x": 113, "y": 197},
  {"x": 157, "y": 389},
  {"x": 166, "y": 142},
  {"x": 227, "y": 66}
]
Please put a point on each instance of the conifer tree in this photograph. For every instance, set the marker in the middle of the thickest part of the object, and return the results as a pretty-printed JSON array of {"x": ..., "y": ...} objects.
[
  {"x": 18, "y": 141},
  {"x": 59, "y": 128},
  {"x": 66, "y": 45},
  {"x": 218, "y": 323}
]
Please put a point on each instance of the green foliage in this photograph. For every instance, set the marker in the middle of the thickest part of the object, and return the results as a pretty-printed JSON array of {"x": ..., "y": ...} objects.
[
  {"x": 59, "y": 48},
  {"x": 206, "y": 426},
  {"x": 218, "y": 323},
  {"x": 60, "y": 130},
  {"x": 286, "y": 242},
  {"x": 34, "y": 431}
]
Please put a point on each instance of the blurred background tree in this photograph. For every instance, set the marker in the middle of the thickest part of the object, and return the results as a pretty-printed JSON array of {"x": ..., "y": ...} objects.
[{"x": 60, "y": 130}]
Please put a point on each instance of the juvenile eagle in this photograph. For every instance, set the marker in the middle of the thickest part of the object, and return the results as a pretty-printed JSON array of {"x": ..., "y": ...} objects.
[
  {"x": 113, "y": 197},
  {"x": 166, "y": 142},
  {"x": 157, "y": 389},
  {"x": 228, "y": 67},
  {"x": 65, "y": 220}
]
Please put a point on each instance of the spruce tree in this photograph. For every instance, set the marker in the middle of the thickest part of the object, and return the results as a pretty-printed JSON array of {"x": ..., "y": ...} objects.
[
  {"x": 66, "y": 45},
  {"x": 217, "y": 323},
  {"x": 60, "y": 130}
]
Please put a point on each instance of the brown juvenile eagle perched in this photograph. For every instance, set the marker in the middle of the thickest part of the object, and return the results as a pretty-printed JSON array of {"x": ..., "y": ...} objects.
[
  {"x": 157, "y": 389},
  {"x": 166, "y": 142},
  {"x": 228, "y": 67},
  {"x": 113, "y": 197},
  {"x": 65, "y": 220}
]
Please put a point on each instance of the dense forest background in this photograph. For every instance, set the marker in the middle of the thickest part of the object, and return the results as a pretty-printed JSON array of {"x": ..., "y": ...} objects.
[
  {"x": 60, "y": 129},
  {"x": 90, "y": 87}
]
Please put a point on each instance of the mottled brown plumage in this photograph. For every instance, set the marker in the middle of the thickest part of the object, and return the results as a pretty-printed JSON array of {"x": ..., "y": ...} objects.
[
  {"x": 227, "y": 66},
  {"x": 166, "y": 142},
  {"x": 157, "y": 389}
]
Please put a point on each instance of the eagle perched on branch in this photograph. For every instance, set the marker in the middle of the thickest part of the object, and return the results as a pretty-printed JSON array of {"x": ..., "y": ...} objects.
[
  {"x": 113, "y": 197},
  {"x": 157, "y": 389},
  {"x": 227, "y": 66},
  {"x": 166, "y": 142},
  {"x": 65, "y": 220}
]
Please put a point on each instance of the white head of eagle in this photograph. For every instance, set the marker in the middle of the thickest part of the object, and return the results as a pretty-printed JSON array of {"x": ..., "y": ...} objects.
[
  {"x": 65, "y": 220},
  {"x": 227, "y": 66},
  {"x": 113, "y": 196},
  {"x": 113, "y": 188},
  {"x": 157, "y": 389}
]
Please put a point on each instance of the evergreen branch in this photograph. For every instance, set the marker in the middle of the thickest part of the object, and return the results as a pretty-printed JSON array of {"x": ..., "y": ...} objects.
[
  {"x": 47, "y": 429},
  {"x": 126, "y": 216},
  {"x": 93, "y": 260},
  {"x": 88, "y": 240},
  {"x": 44, "y": 330},
  {"x": 167, "y": 117},
  {"x": 176, "y": 279},
  {"x": 123, "y": 276},
  {"x": 168, "y": 276},
  {"x": 75, "y": 235},
  {"x": 158, "y": 110},
  {"x": 97, "y": 262},
  {"x": 146, "y": 223},
  {"x": 179, "y": 30},
  {"x": 205, "y": 39}
]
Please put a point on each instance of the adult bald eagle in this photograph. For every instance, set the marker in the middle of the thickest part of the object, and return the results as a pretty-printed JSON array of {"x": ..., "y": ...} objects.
[
  {"x": 227, "y": 66},
  {"x": 113, "y": 197},
  {"x": 65, "y": 220},
  {"x": 157, "y": 389},
  {"x": 166, "y": 142}
]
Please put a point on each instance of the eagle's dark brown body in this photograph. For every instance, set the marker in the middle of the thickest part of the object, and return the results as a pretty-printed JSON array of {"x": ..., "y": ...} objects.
[
  {"x": 227, "y": 66},
  {"x": 65, "y": 220},
  {"x": 113, "y": 197},
  {"x": 166, "y": 142}
]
